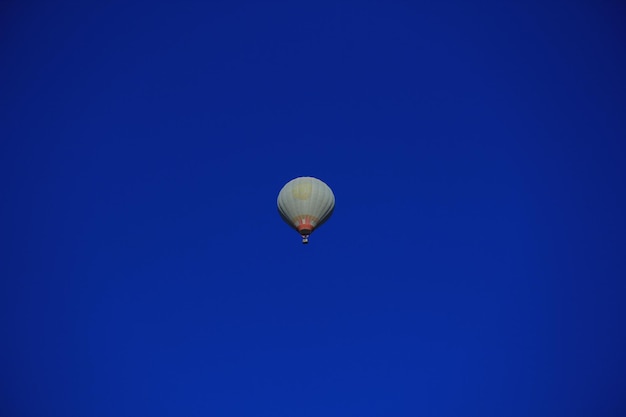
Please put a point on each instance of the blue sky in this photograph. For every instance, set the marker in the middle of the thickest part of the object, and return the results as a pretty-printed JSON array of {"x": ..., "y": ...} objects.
[{"x": 474, "y": 264}]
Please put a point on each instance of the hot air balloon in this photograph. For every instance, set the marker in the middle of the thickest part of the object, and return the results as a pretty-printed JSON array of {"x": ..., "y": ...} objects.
[{"x": 305, "y": 203}]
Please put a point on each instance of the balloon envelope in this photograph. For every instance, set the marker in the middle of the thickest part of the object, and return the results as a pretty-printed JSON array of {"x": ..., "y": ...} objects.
[{"x": 305, "y": 203}]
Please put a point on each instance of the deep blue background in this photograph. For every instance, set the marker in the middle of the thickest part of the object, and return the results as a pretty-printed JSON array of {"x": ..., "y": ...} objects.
[{"x": 474, "y": 265}]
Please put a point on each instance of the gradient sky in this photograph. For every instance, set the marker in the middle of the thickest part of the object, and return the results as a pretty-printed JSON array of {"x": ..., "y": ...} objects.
[{"x": 474, "y": 266}]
